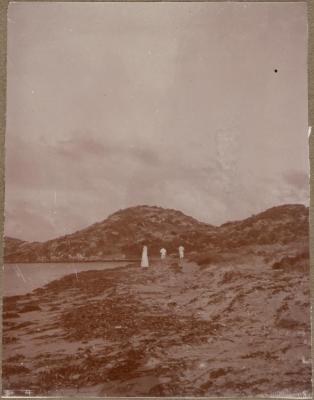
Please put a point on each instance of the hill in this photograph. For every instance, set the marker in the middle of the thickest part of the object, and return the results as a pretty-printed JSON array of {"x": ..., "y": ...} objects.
[
  {"x": 12, "y": 245},
  {"x": 123, "y": 234}
]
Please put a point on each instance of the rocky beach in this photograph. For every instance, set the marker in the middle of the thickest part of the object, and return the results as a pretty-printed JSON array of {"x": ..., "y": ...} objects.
[{"x": 221, "y": 330}]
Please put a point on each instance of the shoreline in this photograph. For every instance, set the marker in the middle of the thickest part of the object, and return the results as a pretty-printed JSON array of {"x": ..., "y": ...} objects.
[{"x": 162, "y": 331}]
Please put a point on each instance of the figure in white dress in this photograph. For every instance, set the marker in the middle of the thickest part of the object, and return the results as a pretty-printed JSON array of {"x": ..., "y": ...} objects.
[
  {"x": 181, "y": 252},
  {"x": 163, "y": 253},
  {"x": 144, "y": 262}
]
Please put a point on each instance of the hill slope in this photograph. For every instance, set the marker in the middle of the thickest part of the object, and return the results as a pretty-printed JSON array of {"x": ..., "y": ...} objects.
[
  {"x": 123, "y": 234},
  {"x": 12, "y": 245}
]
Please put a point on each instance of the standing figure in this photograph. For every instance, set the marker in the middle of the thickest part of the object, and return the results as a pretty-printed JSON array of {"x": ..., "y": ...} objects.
[
  {"x": 163, "y": 253},
  {"x": 144, "y": 262},
  {"x": 181, "y": 252}
]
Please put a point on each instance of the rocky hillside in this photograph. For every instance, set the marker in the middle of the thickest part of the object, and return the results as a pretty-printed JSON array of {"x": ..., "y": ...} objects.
[
  {"x": 13, "y": 245},
  {"x": 281, "y": 224},
  {"x": 123, "y": 234}
]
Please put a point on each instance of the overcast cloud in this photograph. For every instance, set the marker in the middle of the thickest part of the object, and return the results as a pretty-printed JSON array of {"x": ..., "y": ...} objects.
[{"x": 171, "y": 104}]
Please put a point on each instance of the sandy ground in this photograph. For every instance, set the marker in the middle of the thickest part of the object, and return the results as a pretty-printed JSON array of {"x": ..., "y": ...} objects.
[{"x": 230, "y": 329}]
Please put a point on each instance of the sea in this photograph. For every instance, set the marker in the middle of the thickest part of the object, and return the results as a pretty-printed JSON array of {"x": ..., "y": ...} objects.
[{"x": 18, "y": 279}]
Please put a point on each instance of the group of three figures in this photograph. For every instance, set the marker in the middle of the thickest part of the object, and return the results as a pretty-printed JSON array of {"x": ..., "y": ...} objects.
[{"x": 163, "y": 254}]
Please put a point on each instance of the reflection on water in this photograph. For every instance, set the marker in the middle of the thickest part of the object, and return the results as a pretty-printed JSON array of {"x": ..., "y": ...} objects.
[{"x": 23, "y": 278}]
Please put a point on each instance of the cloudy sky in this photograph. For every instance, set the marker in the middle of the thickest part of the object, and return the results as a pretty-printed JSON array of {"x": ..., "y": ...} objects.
[{"x": 111, "y": 105}]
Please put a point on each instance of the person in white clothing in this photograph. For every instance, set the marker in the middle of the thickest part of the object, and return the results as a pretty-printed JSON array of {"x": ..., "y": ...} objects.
[
  {"x": 144, "y": 262},
  {"x": 163, "y": 253},
  {"x": 181, "y": 252}
]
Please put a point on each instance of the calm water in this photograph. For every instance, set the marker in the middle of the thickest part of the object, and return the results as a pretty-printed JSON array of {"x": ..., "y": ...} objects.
[{"x": 23, "y": 278}]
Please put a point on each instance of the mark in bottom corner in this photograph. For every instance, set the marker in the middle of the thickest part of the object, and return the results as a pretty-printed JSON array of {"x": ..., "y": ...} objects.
[{"x": 17, "y": 393}]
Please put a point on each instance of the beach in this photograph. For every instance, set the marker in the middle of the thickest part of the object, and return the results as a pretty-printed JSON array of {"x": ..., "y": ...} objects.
[{"x": 221, "y": 329}]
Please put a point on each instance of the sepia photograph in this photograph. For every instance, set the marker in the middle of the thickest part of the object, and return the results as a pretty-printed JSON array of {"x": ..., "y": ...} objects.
[{"x": 156, "y": 234}]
